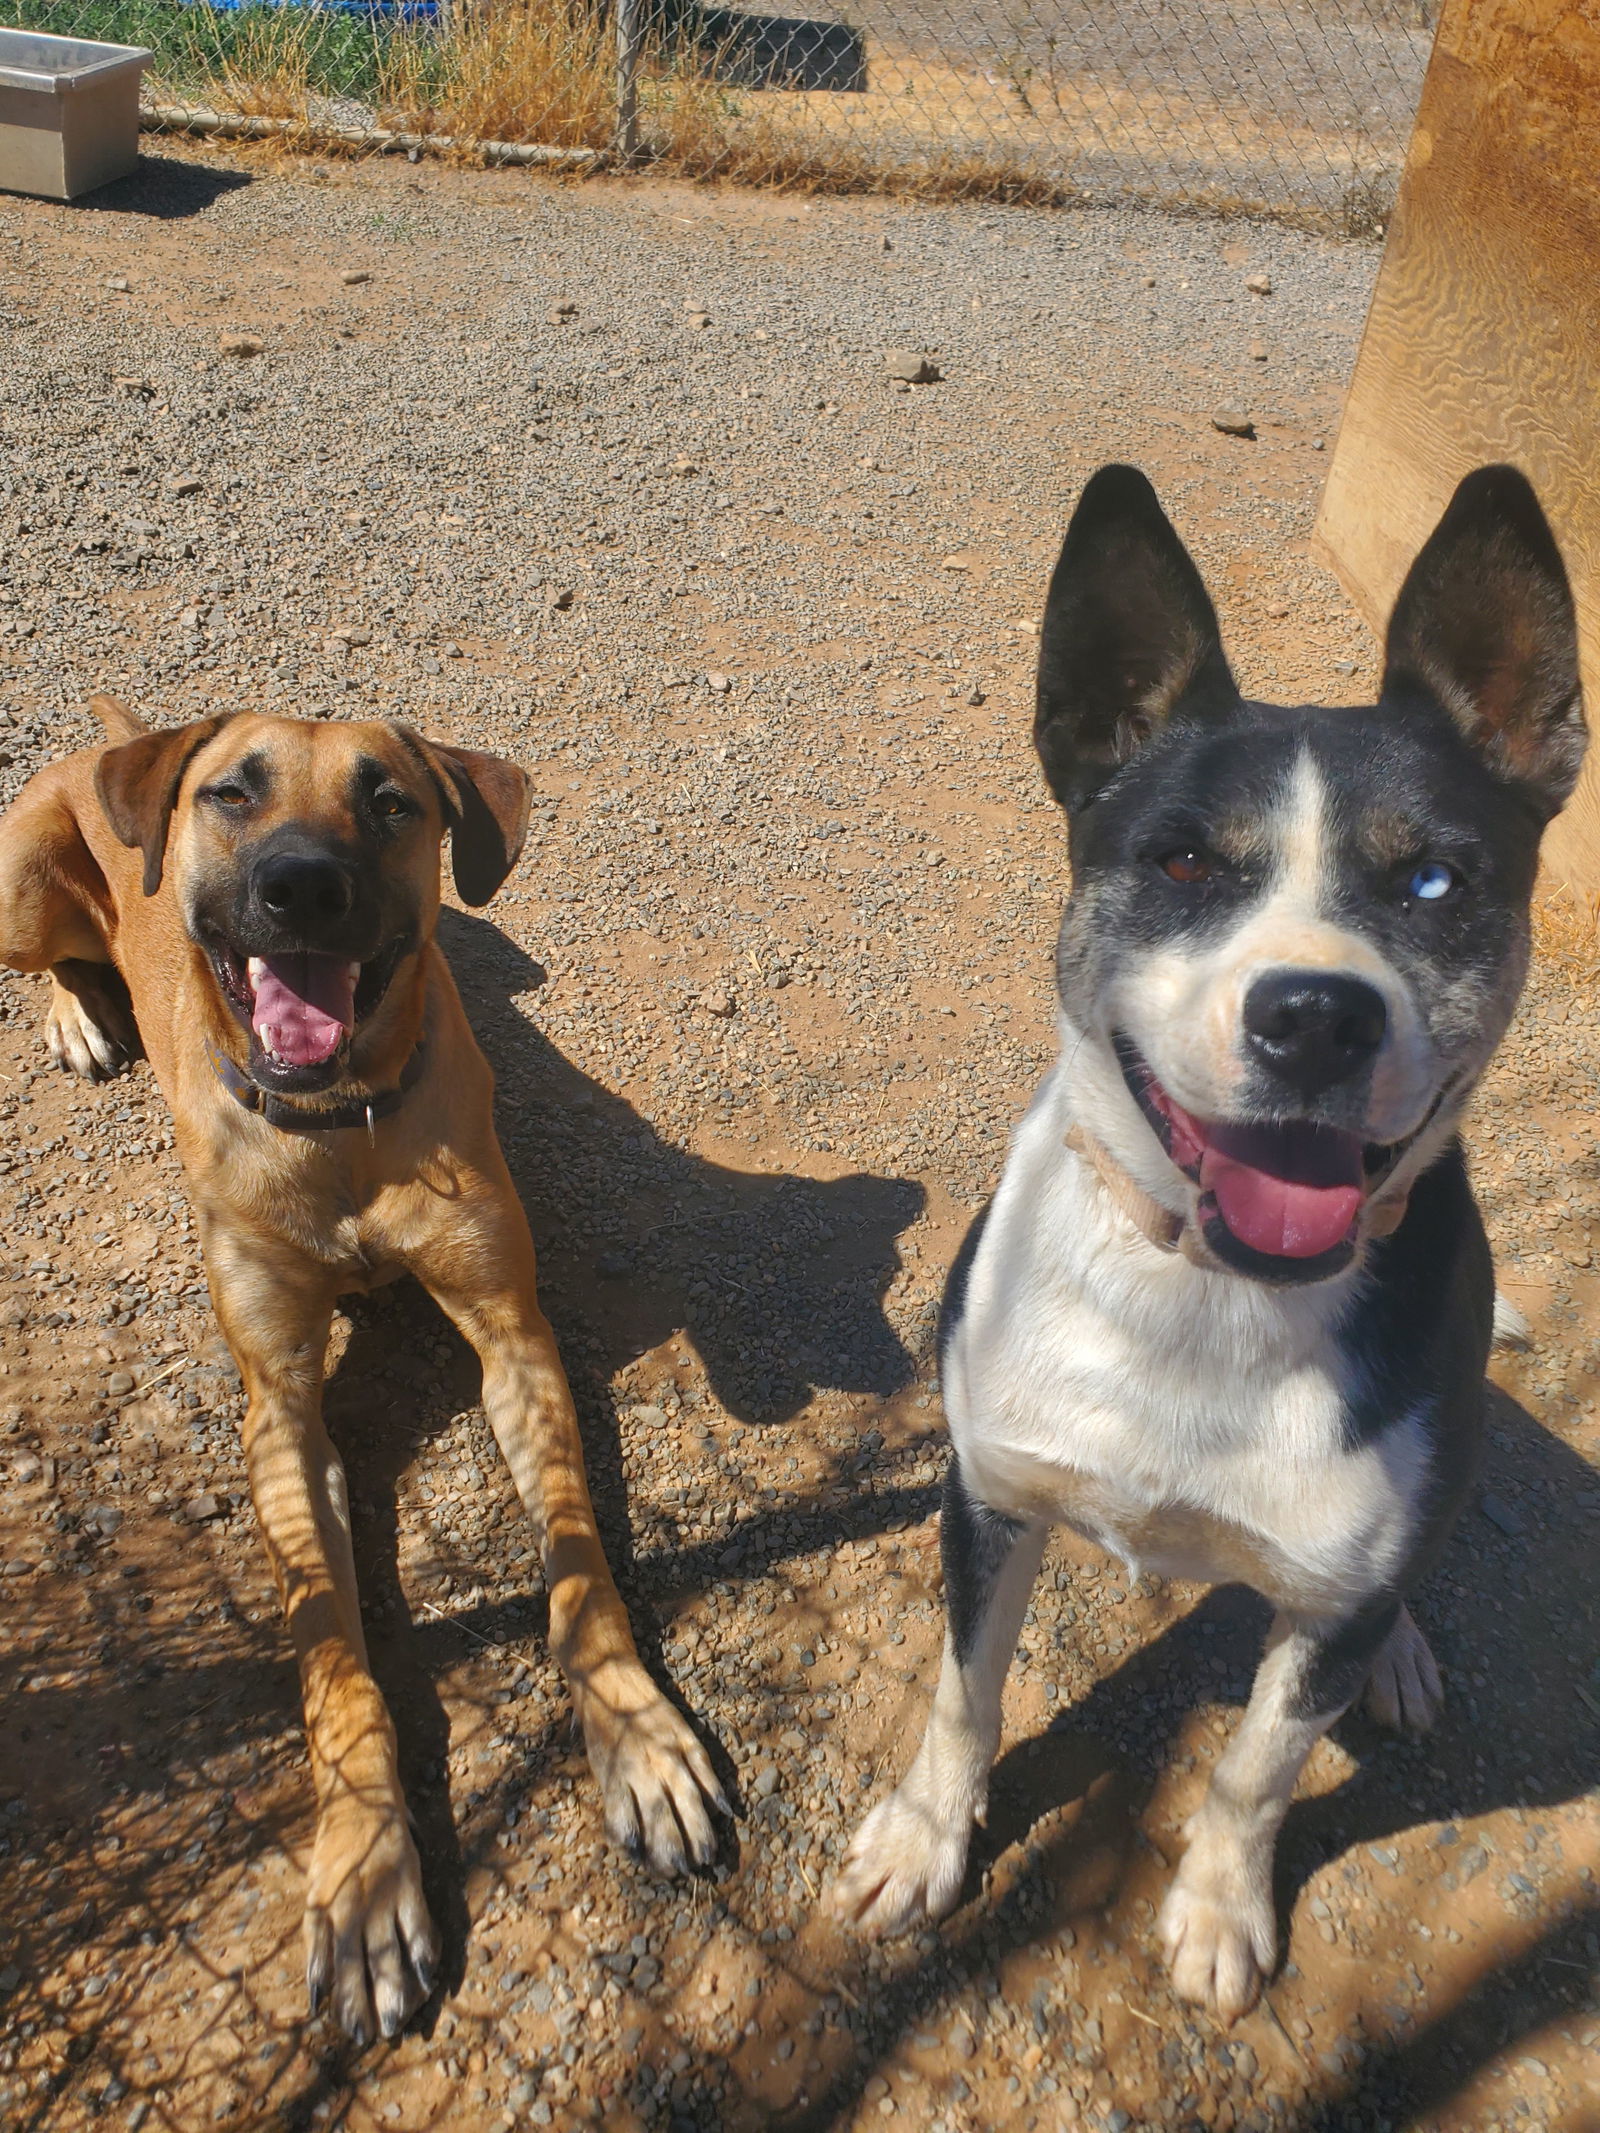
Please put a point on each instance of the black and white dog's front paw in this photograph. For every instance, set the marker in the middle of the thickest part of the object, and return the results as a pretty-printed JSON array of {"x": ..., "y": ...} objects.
[
  {"x": 1404, "y": 1690},
  {"x": 904, "y": 1864},
  {"x": 1217, "y": 1929}
]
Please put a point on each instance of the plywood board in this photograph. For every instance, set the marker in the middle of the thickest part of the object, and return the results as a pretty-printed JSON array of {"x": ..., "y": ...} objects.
[{"x": 1483, "y": 341}]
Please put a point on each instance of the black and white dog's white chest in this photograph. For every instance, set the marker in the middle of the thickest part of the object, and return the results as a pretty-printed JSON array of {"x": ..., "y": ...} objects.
[{"x": 1194, "y": 1425}]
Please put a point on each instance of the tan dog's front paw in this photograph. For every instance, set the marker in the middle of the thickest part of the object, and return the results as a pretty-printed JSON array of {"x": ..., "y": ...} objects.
[
  {"x": 87, "y": 1026},
  {"x": 904, "y": 1864},
  {"x": 1218, "y": 1932},
  {"x": 370, "y": 1943},
  {"x": 657, "y": 1785}
]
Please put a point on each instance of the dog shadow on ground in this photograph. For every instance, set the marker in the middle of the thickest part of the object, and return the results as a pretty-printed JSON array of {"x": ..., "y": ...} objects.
[
  {"x": 777, "y": 1281},
  {"x": 1508, "y": 1620}
]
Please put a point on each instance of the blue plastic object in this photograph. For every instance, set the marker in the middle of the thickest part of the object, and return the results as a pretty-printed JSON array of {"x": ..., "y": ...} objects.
[{"x": 407, "y": 14}]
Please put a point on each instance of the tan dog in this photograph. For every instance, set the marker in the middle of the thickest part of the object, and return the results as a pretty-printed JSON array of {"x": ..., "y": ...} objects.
[{"x": 263, "y": 893}]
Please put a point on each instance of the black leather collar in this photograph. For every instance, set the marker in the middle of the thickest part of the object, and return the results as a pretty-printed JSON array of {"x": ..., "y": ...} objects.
[{"x": 301, "y": 1118}]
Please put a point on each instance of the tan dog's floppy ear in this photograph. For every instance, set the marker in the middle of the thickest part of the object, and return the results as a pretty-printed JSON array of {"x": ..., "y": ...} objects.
[
  {"x": 485, "y": 801},
  {"x": 138, "y": 787},
  {"x": 491, "y": 819}
]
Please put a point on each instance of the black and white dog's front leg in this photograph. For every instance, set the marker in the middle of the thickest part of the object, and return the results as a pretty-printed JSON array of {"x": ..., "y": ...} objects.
[
  {"x": 907, "y": 1859},
  {"x": 1218, "y": 1925}
]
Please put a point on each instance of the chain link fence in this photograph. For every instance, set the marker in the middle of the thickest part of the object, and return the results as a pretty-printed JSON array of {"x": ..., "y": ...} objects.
[{"x": 1295, "y": 109}]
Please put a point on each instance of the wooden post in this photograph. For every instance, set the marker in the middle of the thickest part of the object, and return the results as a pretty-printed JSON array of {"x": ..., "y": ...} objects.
[
  {"x": 630, "y": 45},
  {"x": 1482, "y": 338}
]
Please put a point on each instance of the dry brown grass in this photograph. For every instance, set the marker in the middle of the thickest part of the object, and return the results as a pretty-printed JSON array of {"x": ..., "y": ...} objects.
[
  {"x": 543, "y": 72},
  {"x": 525, "y": 70},
  {"x": 269, "y": 71},
  {"x": 697, "y": 129}
]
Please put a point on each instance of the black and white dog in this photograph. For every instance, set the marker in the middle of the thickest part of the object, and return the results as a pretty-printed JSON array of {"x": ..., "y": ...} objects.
[{"x": 1228, "y": 1313}]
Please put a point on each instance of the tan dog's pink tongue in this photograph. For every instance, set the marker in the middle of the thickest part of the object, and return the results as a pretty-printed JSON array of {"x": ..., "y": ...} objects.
[
  {"x": 304, "y": 1005},
  {"x": 1289, "y": 1191}
]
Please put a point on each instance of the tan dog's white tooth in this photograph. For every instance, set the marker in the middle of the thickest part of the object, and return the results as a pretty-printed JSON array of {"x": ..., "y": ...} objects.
[
  {"x": 255, "y": 971},
  {"x": 355, "y": 971}
]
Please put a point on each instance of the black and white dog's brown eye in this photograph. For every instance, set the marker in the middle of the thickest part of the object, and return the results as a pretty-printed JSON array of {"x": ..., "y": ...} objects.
[{"x": 1187, "y": 867}]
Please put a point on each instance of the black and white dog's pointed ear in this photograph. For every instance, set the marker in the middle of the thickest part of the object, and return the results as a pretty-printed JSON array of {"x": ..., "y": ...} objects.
[
  {"x": 1484, "y": 626},
  {"x": 1130, "y": 637}
]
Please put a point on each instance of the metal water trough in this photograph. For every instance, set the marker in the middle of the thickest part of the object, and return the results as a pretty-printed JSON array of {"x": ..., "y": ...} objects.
[{"x": 69, "y": 113}]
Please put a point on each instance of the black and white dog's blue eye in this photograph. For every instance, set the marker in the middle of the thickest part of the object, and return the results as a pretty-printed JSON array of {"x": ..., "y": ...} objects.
[{"x": 1431, "y": 881}]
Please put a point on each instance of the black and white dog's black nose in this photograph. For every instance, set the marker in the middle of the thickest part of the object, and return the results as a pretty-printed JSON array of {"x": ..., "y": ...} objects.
[{"x": 1313, "y": 1029}]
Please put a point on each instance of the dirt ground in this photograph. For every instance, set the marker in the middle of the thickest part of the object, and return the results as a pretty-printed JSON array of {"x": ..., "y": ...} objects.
[{"x": 763, "y": 1002}]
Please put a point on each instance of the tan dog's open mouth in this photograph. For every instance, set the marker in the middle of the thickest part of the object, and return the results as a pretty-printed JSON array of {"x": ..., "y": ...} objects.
[{"x": 301, "y": 1006}]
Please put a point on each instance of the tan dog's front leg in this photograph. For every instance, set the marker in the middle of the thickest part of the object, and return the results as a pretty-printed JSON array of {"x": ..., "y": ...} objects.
[
  {"x": 370, "y": 1942},
  {"x": 656, "y": 1780}
]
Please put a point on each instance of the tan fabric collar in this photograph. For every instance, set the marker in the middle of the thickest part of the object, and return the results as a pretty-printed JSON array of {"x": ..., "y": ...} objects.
[{"x": 1162, "y": 1228}]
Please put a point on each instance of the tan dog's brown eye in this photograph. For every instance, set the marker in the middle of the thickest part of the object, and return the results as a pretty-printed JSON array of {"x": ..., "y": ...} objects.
[
  {"x": 391, "y": 806},
  {"x": 229, "y": 795},
  {"x": 1186, "y": 867}
]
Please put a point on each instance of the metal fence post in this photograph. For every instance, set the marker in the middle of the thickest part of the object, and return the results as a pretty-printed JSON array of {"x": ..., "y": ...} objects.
[{"x": 630, "y": 41}]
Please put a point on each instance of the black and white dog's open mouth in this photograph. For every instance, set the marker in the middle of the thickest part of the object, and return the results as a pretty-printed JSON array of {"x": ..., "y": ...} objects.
[{"x": 1280, "y": 1200}]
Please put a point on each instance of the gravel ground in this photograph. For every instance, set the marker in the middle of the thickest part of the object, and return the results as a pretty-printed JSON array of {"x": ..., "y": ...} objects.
[{"x": 764, "y": 1000}]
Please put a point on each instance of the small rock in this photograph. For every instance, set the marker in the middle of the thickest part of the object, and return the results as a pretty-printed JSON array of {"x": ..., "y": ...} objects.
[
  {"x": 352, "y": 277},
  {"x": 1499, "y": 1513},
  {"x": 27, "y": 1468},
  {"x": 718, "y": 684},
  {"x": 135, "y": 388},
  {"x": 1258, "y": 351},
  {"x": 118, "y": 282},
  {"x": 182, "y": 485},
  {"x": 1259, "y": 284},
  {"x": 716, "y": 1003},
  {"x": 765, "y": 1782},
  {"x": 199, "y": 1508},
  {"x": 119, "y": 1382},
  {"x": 911, "y": 367},
  {"x": 685, "y": 466},
  {"x": 562, "y": 600},
  {"x": 976, "y": 696},
  {"x": 240, "y": 344},
  {"x": 1232, "y": 423},
  {"x": 560, "y": 313},
  {"x": 698, "y": 318}
]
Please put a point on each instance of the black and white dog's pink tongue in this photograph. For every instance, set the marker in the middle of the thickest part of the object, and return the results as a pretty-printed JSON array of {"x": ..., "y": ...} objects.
[
  {"x": 304, "y": 1006},
  {"x": 1289, "y": 1191}
]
